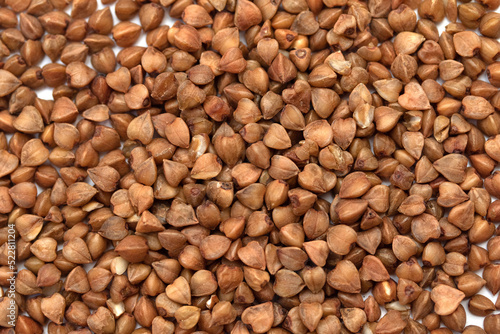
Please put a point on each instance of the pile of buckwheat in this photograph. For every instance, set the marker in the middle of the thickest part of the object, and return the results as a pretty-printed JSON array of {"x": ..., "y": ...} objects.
[{"x": 266, "y": 166}]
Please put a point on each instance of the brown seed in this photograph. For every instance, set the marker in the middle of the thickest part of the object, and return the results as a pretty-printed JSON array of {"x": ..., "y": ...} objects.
[
  {"x": 76, "y": 251},
  {"x": 206, "y": 167},
  {"x": 373, "y": 269},
  {"x": 413, "y": 143},
  {"x": 472, "y": 329},
  {"x": 177, "y": 133},
  {"x": 137, "y": 97},
  {"x": 340, "y": 238},
  {"x": 407, "y": 42},
  {"x": 34, "y": 153},
  {"x": 8, "y": 83},
  {"x": 491, "y": 323},
  {"x": 287, "y": 283},
  {"x": 102, "y": 321},
  {"x": 77, "y": 281},
  {"x": 179, "y": 291},
  {"x": 404, "y": 67},
  {"x": 187, "y": 38},
  {"x": 354, "y": 318},
  {"x": 258, "y": 317},
  {"x": 119, "y": 80},
  {"x": 29, "y": 121},
  {"x": 253, "y": 255},
  {"x": 246, "y": 15},
  {"x": 432, "y": 10},
  {"x": 216, "y": 108},
  {"x": 462, "y": 215},
  {"x": 403, "y": 247},
  {"x": 28, "y": 325},
  {"x": 391, "y": 322},
  {"x": 105, "y": 177},
  {"x": 196, "y": 16},
  {"x": 481, "y": 305},
  {"x": 79, "y": 194},
  {"x": 181, "y": 214},
  {"x": 450, "y": 195},
  {"x": 414, "y": 97},
  {"x": 133, "y": 248},
  {"x": 476, "y": 107},
  {"x": 126, "y": 33},
  {"x": 354, "y": 185},
  {"x": 349, "y": 211},
  {"x": 214, "y": 247},
  {"x": 425, "y": 227},
  {"x": 277, "y": 138},
  {"x": 446, "y": 299},
  {"x": 24, "y": 194},
  {"x": 9, "y": 19},
  {"x": 452, "y": 167},
  {"x": 317, "y": 251},
  {"x": 467, "y": 43},
  {"x": 282, "y": 69},
  {"x": 44, "y": 249},
  {"x": 344, "y": 277},
  {"x": 79, "y": 75},
  {"x": 232, "y": 61},
  {"x": 53, "y": 307}
]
